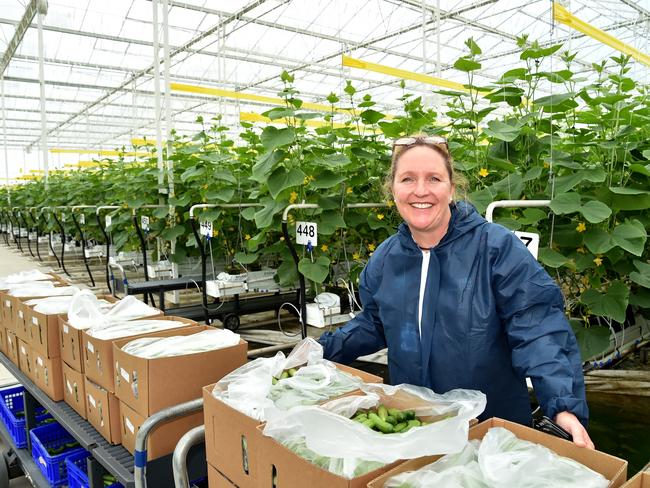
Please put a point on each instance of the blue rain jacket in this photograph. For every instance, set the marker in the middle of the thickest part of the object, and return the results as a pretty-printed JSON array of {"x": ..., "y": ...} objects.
[{"x": 491, "y": 317}]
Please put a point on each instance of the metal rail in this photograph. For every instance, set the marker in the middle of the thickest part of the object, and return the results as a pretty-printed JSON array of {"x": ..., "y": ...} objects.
[{"x": 179, "y": 460}]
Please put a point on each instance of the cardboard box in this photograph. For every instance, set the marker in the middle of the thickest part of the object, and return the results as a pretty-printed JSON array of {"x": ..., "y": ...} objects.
[
  {"x": 232, "y": 440},
  {"x": 612, "y": 468},
  {"x": 103, "y": 412},
  {"x": 12, "y": 346},
  {"x": 145, "y": 384},
  {"x": 639, "y": 480},
  {"x": 74, "y": 390},
  {"x": 163, "y": 439},
  {"x": 217, "y": 480},
  {"x": 48, "y": 375},
  {"x": 42, "y": 331},
  {"x": 98, "y": 355},
  {"x": 25, "y": 359},
  {"x": 70, "y": 339},
  {"x": 3, "y": 340},
  {"x": 6, "y": 310}
]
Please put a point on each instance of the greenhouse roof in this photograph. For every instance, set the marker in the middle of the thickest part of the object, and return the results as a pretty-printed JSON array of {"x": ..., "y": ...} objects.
[{"x": 99, "y": 57}]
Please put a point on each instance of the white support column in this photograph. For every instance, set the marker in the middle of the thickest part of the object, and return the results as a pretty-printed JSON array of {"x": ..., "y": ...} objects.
[
  {"x": 4, "y": 135},
  {"x": 41, "y": 79},
  {"x": 168, "y": 98},
  {"x": 156, "y": 89}
]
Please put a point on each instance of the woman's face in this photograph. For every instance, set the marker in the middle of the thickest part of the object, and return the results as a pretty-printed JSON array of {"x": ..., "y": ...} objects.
[{"x": 422, "y": 191}]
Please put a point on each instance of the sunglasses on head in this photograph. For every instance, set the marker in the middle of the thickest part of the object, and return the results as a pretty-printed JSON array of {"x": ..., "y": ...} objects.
[{"x": 409, "y": 141}]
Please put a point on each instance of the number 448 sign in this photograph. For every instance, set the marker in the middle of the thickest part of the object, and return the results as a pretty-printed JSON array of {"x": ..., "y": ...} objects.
[
  {"x": 307, "y": 233},
  {"x": 530, "y": 240}
]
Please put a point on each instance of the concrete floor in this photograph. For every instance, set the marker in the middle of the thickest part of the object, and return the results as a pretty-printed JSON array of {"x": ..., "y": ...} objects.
[{"x": 11, "y": 261}]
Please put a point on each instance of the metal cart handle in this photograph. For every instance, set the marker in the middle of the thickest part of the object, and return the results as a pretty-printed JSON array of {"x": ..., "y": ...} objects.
[{"x": 179, "y": 460}]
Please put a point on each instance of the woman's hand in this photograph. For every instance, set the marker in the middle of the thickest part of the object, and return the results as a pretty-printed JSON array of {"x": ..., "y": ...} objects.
[{"x": 572, "y": 425}]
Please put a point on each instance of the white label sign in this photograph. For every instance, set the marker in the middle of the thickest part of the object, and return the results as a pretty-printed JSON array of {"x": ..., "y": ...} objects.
[
  {"x": 65, "y": 328},
  {"x": 125, "y": 375},
  {"x": 108, "y": 221},
  {"x": 21, "y": 315},
  {"x": 307, "y": 233},
  {"x": 530, "y": 240},
  {"x": 82, "y": 219},
  {"x": 34, "y": 321},
  {"x": 205, "y": 228},
  {"x": 62, "y": 217},
  {"x": 91, "y": 348},
  {"x": 92, "y": 401},
  {"x": 144, "y": 223},
  {"x": 129, "y": 425}
]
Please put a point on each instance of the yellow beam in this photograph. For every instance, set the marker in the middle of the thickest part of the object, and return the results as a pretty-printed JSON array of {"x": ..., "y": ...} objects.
[
  {"x": 403, "y": 74},
  {"x": 253, "y": 117},
  {"x": 217, "y": 92},
  {"x": 139, "y": 141},
  {"x": 565, "y": 17},
  {"x": 98, "y": 152}
]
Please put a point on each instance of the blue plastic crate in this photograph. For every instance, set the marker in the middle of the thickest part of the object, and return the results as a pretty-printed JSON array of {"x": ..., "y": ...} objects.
[
  {"x": 52, "y": 466},
  {"x": 77, "y": 474},
  {"x": 11, "y": 403}
]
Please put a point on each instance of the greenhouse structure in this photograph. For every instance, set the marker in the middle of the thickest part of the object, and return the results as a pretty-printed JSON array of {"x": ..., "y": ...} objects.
[{"x": 324, "y": 243}]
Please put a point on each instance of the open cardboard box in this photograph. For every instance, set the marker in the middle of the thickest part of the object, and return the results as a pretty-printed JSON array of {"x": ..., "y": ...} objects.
[
  {"x": 163, "y": 439},
  {"x": 103, "y": 410},
  {"x": 42, "y": 331},
  {"x": 217, "y": 480},
  {"x": 145, "y": 384},
  {"x": 98, "y": 354},
  {"x": 639, "y": 480},
  {"x": 612, "y": 468},
  {"x": 3, "y": 340},
  {"x": 71, "y": 338},
  {"x": 48, "y": 375},
  {"x": 12, "y": 347},
  {"x": 232, "y": 440},
  {"x": 25, "y": 358},
  {"x": 74, "y": 391}
]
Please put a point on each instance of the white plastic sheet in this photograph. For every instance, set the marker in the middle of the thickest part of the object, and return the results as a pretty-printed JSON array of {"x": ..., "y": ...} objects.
[
  {"x": 250, "y": 388},
  {"x": 329, "y": 431},
  {"x": 126, "y": 328},
  {"x": 58, "y": 305},
  {"x": 85, "y": 311},
  {"x": 162, "y": 347},
  {"x": 28, "y": 276},
  {"x": 501, "y": 460},
  {"x": 41, "y": 290}
]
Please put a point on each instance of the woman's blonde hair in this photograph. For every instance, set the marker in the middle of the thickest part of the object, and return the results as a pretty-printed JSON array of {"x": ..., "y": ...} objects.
[{"x": 458, "y": 181}]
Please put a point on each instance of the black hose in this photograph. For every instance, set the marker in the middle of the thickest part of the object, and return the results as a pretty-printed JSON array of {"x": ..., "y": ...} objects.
[
  {"x": 62, "y": 244},
  {"x": 201, "y": 247},
  {"x": 83, "y": 248},
  {"x": 301, "y": 281}
]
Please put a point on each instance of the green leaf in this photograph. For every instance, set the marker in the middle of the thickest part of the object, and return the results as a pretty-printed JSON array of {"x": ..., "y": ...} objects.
[
  {"x": 630, "y": 236},
  {"x": 335, "y": 160},
  {"x": 249, "y": 213},
  {"x": 473, "y": 47},
  {"x": 551, "y": 258},
  {"x": 566, "y": 203},
  {"x": 329, "y": 221},
  {"x": 282, "y": 179},
  {"x": 287, "y": 273},
  {"x": 161, "y": 213},
  {"x": 593, "y": 341},
  {"x": 567, "y": 182},
  {"x": 536, "y": 52},
  {"x": 279, "y": 113},
  {"x": 640, "y": 298},
  {"x": 316, "y": 271},
  {"x": 502, "y": 130},
  {"x": 611, "y": 304},
  {"x": 245, "y": 258},
  {"x": 620, "y": 190},
  {"x": 642, "y": 277},
  {"x": 371, "y": 116},
  {"x": 265, "y": 163},
  {"x": 555, "y": 99},
  {"x": 328, "y": 179},
  {"x": 273, "y": 137},
  {"x": 223, "y": 194},
  {"x": 264, "y": 216},
  {"x": 193, "y": 173},
  {"x": 180, "y": 201},
  {"x": 595, "y": 211},
  {"x": 172, "y": 233},
  {"x": 532, "y": 216},
  {"x": 639, "y": 168},
  {"x": 223, "y": 174},
  {"x": 598, "y": 241},
  {"x": 467, "y": 65}
]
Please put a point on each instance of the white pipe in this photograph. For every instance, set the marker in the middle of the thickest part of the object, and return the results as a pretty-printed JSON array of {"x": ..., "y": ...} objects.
[
  {"x": 156, "y": 89},
  {"x": 168, "y": 96},
  {"x": 513, "y": 203},
  {"x": 4, "y": 132},
  {"x": 41, "y": 80}
]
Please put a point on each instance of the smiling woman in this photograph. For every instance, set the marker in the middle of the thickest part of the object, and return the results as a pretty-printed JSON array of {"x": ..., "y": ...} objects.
[{"x": 461, "y": 303}]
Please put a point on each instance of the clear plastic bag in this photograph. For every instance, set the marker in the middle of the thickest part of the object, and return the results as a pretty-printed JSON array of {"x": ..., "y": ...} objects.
[
  {"x": 329, "y": 430},
  {"x": 86, "y": 311},
  {"x": 126, "y": 328},
  {"x": 41, "y": 289},
  {"x": 162, "y": 347},
  {"x": 250, "y": 389},
  {"x": 506, "y": 460},
  {"x": 501, "y": 460},
  {"x": 58, "y": 305},
  {"x": 28, "y": 276}
]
